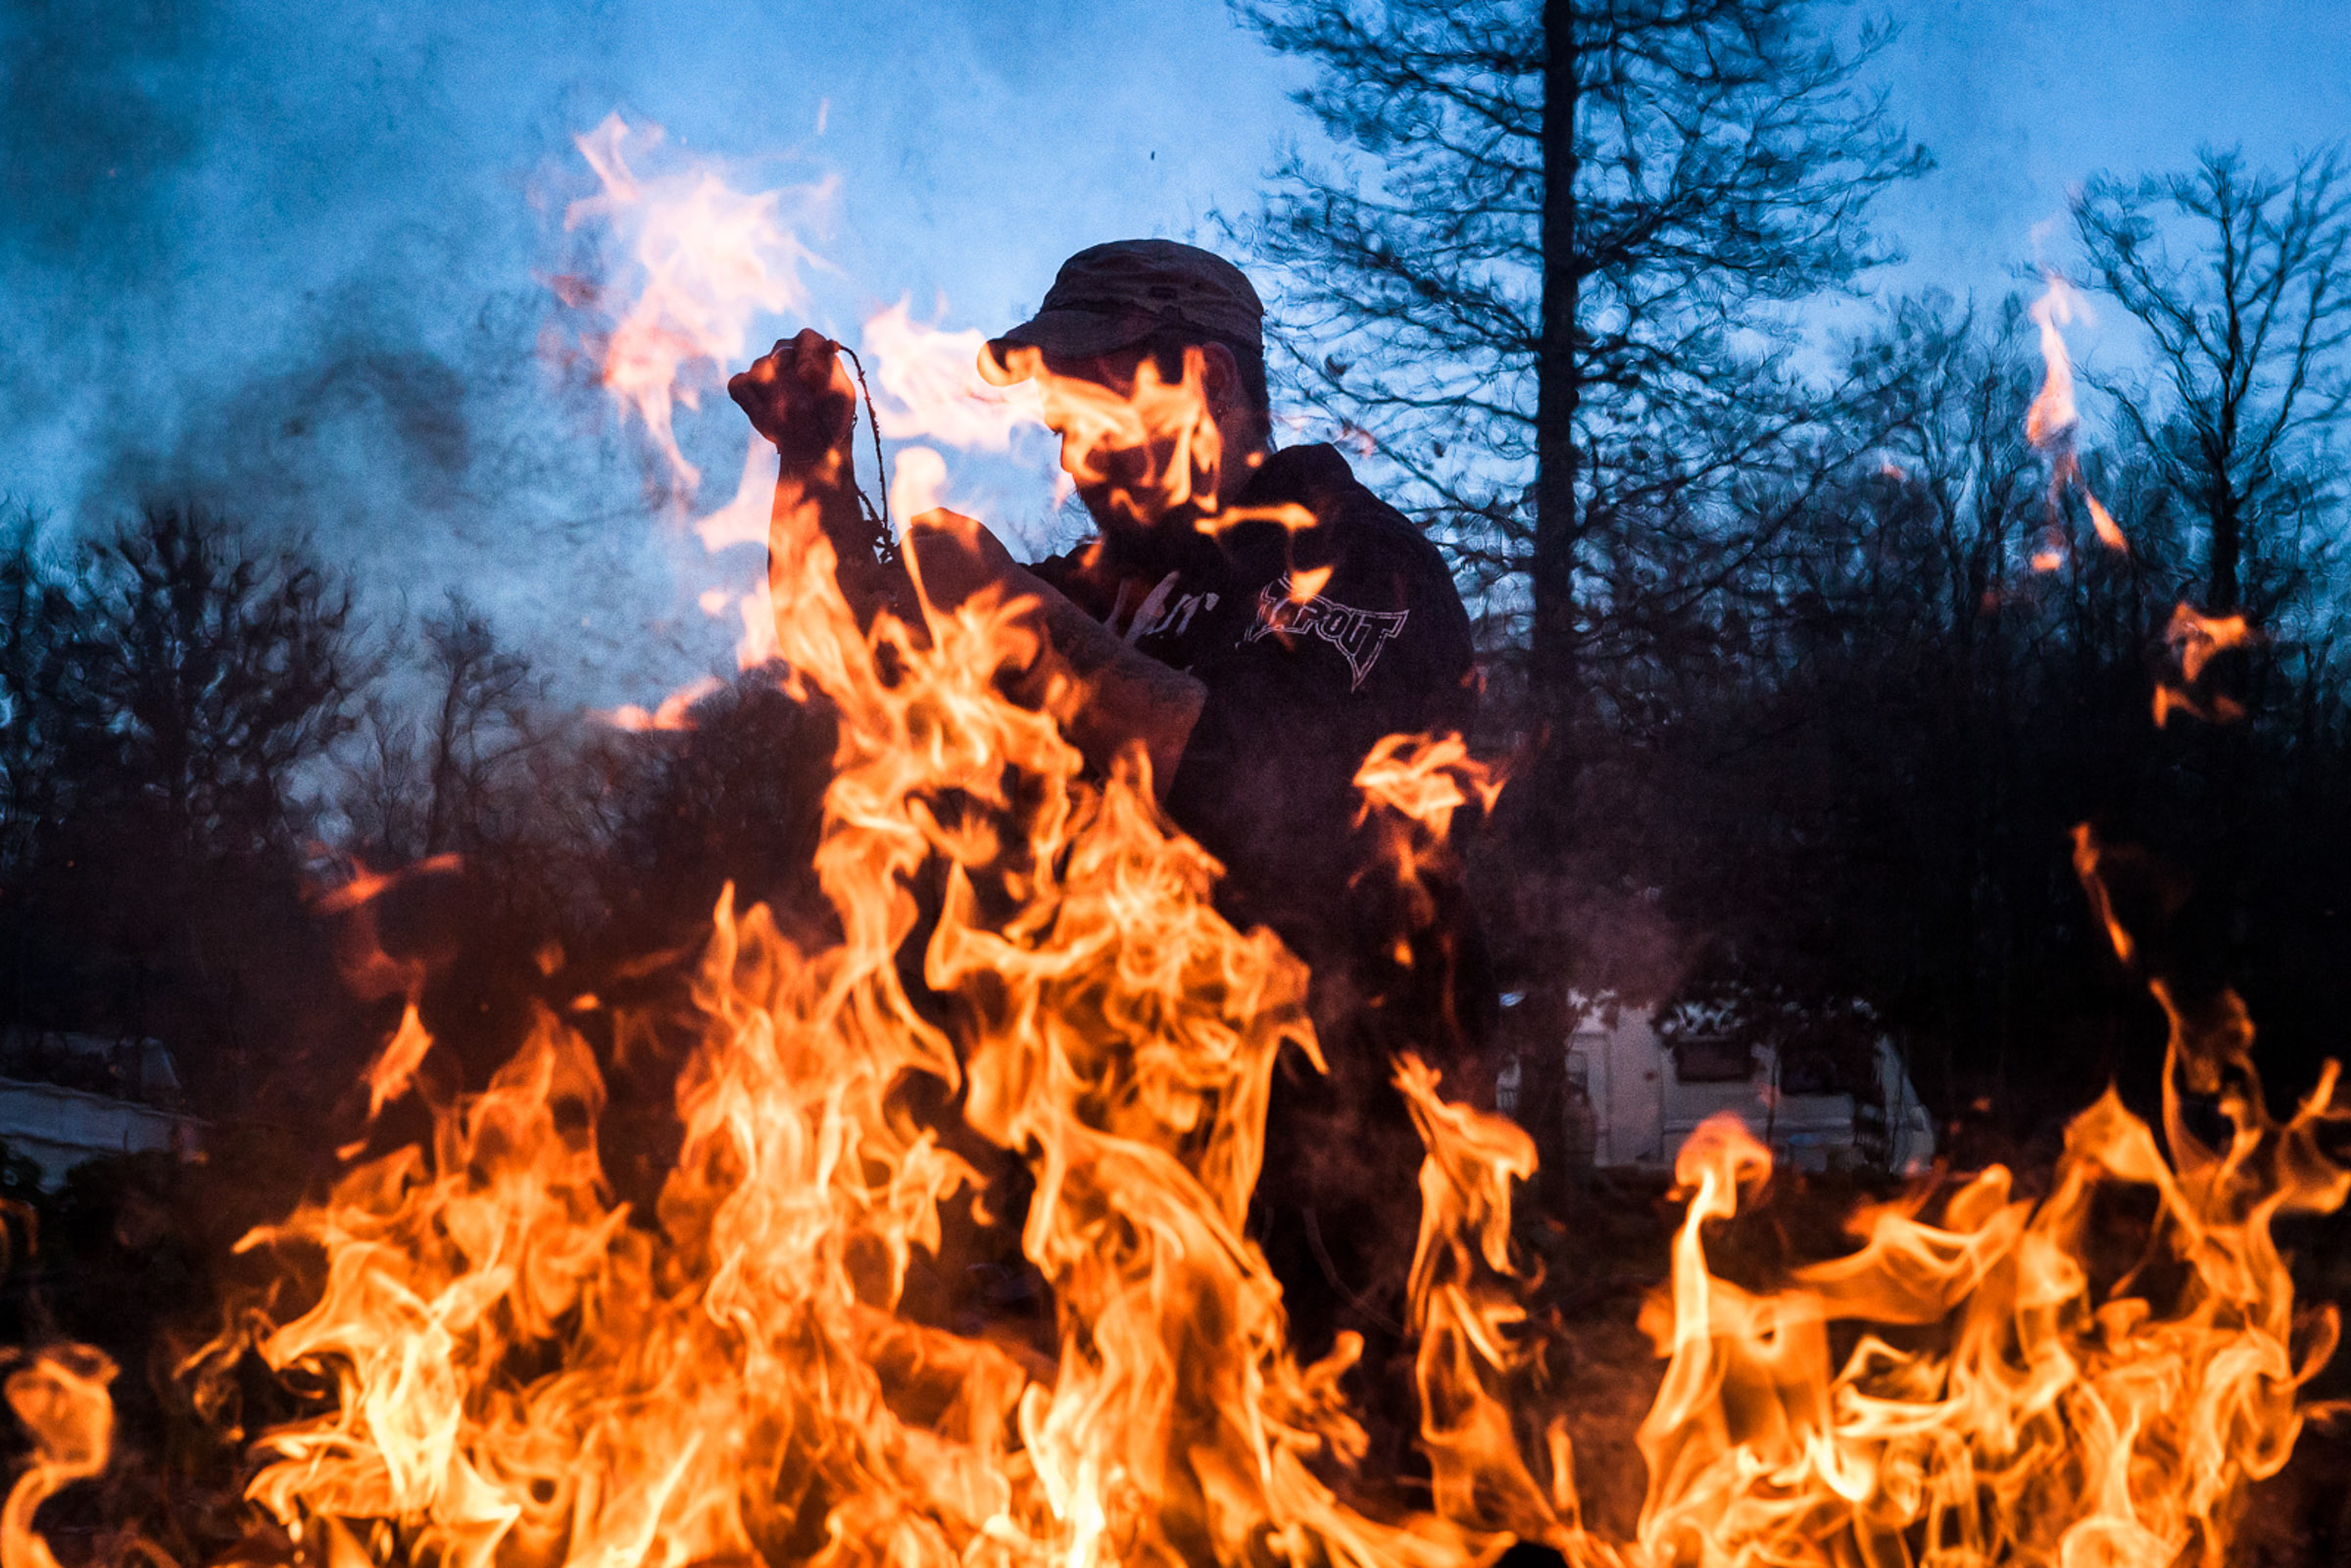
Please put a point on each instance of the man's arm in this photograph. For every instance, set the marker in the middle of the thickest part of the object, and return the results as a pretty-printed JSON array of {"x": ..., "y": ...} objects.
[
  {"x": 1130, "y": 697},
  {"x": 798, "y": 396},
  {"x": 1124, "y": 696}
]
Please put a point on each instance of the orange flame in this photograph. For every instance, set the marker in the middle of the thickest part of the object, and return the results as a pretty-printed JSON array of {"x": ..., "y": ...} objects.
[
  {"x": 1413, "y": 786},
  {"x": 2197, "y": 637},
  {"x": 394, "y": 1068},
  {"x": 671, "y": 715},
  {"x": 2110, "y": 532},
  {"x": 1466, "y": 1305},
  {"x": 62, "y": 1400},
  {"x": 1152, "y": 447},
  {"x": 2089, "y": 856},
  {"x": 2051, "y": 421},
  {"x": 366, "y": 967},
  {"x": 2215, "y": 710},
  {"x": 2194, "y": 638},
  {"x": 712, "y": 258},
  {"x": 1425, "y": 780},
  {"x": 2053, "y": 418}
]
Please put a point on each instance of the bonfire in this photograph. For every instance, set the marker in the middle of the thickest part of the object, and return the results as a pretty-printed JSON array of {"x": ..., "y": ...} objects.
[{"x": 519, "y": 1372}]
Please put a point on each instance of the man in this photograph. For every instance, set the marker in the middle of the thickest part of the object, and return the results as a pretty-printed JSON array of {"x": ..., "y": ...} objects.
[{"x": 1255, "y": 620}]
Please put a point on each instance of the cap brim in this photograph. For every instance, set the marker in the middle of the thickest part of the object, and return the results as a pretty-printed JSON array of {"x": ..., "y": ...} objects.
[{"x": 1067, "y": 334}]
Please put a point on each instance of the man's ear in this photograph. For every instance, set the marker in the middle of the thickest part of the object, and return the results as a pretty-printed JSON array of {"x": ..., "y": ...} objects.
[{"x": 1220, "y": 378}]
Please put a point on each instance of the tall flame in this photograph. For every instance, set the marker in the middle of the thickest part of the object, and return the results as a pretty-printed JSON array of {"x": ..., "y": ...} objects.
[
  {"x": 711, "y": 258},
  {"x": 2052, "y": 421}
]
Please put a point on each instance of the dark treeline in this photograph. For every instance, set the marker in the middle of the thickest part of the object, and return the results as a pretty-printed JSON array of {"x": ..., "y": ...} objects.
[
  {"x": 161, "y": 693},
  {"x": 203, "y": 750},
  {"x": 1856, "y": 769},
  {"x": 1807, "y": 672}
]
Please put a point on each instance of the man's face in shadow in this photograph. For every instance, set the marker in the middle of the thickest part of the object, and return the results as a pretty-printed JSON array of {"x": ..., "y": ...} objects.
[{"x": 1146, "y": 443}]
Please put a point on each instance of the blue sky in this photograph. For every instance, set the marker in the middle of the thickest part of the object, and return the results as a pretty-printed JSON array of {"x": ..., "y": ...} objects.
[{"x": 286, "y": 257}]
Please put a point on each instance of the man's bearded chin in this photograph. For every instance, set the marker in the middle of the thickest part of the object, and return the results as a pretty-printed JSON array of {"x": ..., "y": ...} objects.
[
  {"x": 1133, "y": 539},
  {"x": 1121, "y": 507}
]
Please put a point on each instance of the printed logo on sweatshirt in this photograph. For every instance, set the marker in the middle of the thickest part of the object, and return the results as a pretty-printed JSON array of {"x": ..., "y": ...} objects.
[
  {"x": 1164, "y": 609},
  {"x": 1358, "y": 634}
]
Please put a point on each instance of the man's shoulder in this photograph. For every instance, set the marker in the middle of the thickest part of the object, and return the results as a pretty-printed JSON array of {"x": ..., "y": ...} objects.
[
  {"x": 1360, "y": 577},
  {"x": 1354, "y": 528}
]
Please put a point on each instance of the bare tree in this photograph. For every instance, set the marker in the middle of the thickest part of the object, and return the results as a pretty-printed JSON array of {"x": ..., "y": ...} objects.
[
  {"x": 169, "y": 689},
  {"x": 1550, "y": 290},
  {"x": 446, "y": 779},
  {"x": 216, "y": 665},
  {"x": 41, "y": 624},
  {"x": 2249, "y": 330}
]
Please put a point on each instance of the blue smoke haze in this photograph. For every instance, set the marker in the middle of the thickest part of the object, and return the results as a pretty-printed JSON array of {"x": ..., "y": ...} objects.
[{"x": 286, "y": 259}]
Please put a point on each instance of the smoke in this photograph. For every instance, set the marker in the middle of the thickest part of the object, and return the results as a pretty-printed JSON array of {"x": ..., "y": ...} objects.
[
  {"x": 103, "y": 112},
  {"x": 286, "y": 261},
  {"x": 99, "y": 123},
  {"x": 286, "y": 271},
  {"x": 181, "y": 316}
]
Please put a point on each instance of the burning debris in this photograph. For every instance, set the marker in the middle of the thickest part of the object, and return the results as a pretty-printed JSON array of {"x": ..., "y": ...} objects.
[{"x": 2052, "y": 424}]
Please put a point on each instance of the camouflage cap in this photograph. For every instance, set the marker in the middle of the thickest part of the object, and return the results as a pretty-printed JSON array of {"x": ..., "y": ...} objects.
[{"x": 1109, "y": 297}]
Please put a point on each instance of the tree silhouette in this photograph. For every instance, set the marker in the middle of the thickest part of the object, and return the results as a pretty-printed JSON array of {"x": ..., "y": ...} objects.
[
  {"x": 171, "y": 688},
  {"x": 454, "y": 777},
  {"x": 2250, "y": 330},
  {"x": 1549, "y": 288}
]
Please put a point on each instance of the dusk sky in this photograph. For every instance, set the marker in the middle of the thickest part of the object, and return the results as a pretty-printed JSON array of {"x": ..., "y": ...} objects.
[{"x": 288, "y": 260}]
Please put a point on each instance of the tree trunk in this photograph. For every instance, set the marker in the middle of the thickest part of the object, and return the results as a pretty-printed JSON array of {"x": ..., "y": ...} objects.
[
  {"x": 2226, "y": 548},
  {"x": 1557, "y": 381}
]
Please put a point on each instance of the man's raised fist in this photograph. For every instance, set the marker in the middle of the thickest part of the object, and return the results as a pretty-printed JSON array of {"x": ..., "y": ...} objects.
[{"x": 798, "y": 396}]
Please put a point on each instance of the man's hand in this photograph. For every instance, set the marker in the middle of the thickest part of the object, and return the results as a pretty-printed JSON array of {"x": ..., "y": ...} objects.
[{"x": 798, "y": 396}]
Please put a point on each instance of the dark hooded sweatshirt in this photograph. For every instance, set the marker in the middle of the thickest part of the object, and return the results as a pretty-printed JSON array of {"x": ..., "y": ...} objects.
[{"x": 1313, "y": 642}]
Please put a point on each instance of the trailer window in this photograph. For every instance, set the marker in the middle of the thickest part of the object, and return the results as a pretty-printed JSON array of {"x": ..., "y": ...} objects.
[{"x": 1703, "y": 1060}]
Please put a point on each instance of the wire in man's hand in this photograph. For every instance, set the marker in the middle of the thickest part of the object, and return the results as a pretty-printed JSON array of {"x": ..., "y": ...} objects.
[{"x": 885, "y": 542}]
